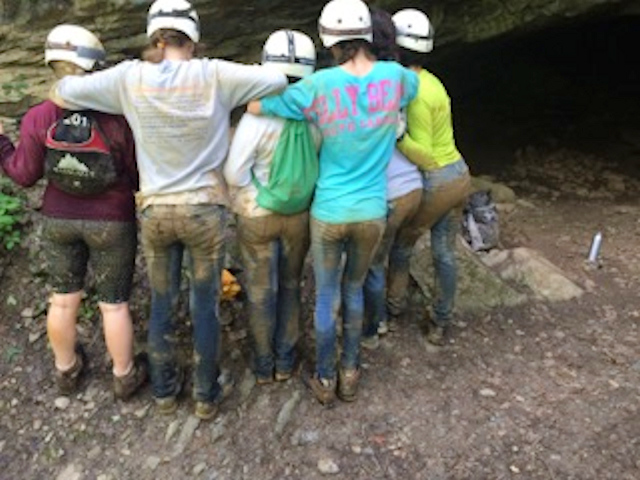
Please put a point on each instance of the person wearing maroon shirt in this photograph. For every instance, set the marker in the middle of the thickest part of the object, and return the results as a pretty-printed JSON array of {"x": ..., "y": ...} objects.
[{"x": 98, "y": 229}]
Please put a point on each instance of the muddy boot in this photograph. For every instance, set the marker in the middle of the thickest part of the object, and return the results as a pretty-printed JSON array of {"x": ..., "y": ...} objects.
[
  {"x": 370, "y": 343},
  {"x": 125, "y": 386},
  {"x": 282, "y": 376},
  {"x": 390, "y": 324},
  {"x": 322, "y": 388},
  {"x": 68, "y": 380},
  {"x": 348, "y": 381},
  {"x": 264, "y": 379},
  {"x": 205, "y": 410},
  {"x": 437, "y": 335},
  {"x": 168, "y": 405}
]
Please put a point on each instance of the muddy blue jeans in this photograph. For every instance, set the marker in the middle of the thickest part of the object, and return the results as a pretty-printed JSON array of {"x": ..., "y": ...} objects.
[
  {"x": 273, "y": 250},
  {"x": 166, "y": 229},
  {"x": 328, "y": 242},
  {"x": 445, "y": 191},
  {"x": 401, "y": 213}
]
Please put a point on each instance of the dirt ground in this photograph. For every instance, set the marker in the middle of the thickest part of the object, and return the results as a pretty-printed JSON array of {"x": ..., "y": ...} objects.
[{"x": 543, "y": 391}]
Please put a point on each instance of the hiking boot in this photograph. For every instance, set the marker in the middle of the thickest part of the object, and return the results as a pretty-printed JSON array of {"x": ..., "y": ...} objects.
[
  {"x": 166, "y": 405},
  {"x": 205, "y": 410},
  {"x": 125, "y": 386},
  {"x": 264, "y": 380},
  {"x": 282, "y": 376},
  {"x": 169, "y": 404},
  {"x": 388, "y": 325},
  {"x": 383, "y": 327},
  {"x": 437, "y": 335},
  {"x": 392, "y": 324},
  {"x": 370, "y": 343},
  {"x": 348, "y": 384},
  {"x": 323, "y": 389},
  {"x": 68, "y": 380}
]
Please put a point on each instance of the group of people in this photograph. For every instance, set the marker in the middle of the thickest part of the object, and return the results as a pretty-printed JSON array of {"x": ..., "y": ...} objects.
[{"x": 372, "y": 136}]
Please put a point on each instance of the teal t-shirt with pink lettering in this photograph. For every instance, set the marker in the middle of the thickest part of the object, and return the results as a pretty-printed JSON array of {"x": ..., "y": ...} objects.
[{"x": 357, "y": 116}]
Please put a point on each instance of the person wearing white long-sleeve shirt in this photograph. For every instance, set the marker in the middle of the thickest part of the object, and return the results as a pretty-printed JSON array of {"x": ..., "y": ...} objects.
[
  {"x": 273, "y": 244},
  {"x": 178, "y": 109}
]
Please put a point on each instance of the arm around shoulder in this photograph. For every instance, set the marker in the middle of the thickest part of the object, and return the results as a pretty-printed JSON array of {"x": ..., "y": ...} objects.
[
  {"x": 241, "y": 83},
  {"x": 99, "y": 91}
]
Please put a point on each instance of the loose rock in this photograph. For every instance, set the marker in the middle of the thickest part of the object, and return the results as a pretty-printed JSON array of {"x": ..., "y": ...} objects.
[
  {"x": 218, "y": 430},
  {"x": 305, "y": 437},
  {"x": 172, "y": 430},
  {"x": 284, "y": 417},
  {"x": 70, "y": 472},
  {"x": 188, "y": 429},
  {"x": 61, "y": 403},
  {"x": 328, "y": 466},
  {"x": 199, "y": 468},
  {"x": 152, "y": 462},
  {"x": 487, "y": 392}
]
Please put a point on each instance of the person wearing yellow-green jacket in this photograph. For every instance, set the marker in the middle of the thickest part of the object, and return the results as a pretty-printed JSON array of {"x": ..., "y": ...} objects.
[{"x": 429, "y": 143}]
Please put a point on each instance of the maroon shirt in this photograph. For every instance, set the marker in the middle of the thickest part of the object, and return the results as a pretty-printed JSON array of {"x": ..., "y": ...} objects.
[{"x": 25, "y": 165}]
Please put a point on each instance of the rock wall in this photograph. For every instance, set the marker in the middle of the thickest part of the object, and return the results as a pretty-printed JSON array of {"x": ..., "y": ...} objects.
[{"x": 236, "y": 29}]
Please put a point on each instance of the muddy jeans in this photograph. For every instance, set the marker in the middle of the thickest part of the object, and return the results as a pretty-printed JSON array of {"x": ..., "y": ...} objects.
[
  {"x": 109, "y": 247},
  {"x": 445, "y": 191},
  {"x": 200, "y": 229},
  {"x": 401, "y": 213},
  {"x": 328, "y": 241},
  {"x": 273, "y": 250}
]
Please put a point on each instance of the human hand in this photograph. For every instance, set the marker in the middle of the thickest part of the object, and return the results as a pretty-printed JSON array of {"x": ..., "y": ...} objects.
[
  {"x": 401, "y": 127},
  {"x": 253, "y": 107},
  {"x": 1, "y": 129}
]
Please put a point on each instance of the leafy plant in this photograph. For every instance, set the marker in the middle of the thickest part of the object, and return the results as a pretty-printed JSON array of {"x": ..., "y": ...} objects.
[
  {"x": 10, "y": 216},
  {"x": 15, "y": 88}
]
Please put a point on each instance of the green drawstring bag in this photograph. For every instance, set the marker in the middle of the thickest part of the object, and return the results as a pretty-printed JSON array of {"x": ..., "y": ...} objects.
[{"x": 294, "y": 171}]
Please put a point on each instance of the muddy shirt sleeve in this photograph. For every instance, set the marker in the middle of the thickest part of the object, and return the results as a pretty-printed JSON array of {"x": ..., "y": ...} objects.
[
  {"x": 99, "y": 91},
  {"x": 24, "y": 164},
  {"x": 238, "y": 84},
  {"x": 242, "y": 154},
  {"x": 417, "y": 142}
]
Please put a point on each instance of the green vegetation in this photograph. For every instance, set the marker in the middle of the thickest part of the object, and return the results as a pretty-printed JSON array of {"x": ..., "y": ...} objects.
[
  {"x": 11, "y": 209},
  {"x": 16, "y": 88}
]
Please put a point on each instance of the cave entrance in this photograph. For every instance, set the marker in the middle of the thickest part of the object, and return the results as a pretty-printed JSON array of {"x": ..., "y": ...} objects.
[{"x": 574, "y": 86}]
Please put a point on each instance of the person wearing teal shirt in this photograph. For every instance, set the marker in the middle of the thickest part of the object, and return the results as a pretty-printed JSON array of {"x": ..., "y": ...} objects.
[
  {"x": 356, "y": 107},
  {"x": 429, "y": 143}
]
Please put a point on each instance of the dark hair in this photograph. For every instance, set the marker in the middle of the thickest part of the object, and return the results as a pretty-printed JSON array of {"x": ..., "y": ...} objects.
[
  {"x": 347, "y": 49},
  {"x": 410, "y": 58},
  {"x": 384, "y": 35},
  {"x": 164, "y": 38}
]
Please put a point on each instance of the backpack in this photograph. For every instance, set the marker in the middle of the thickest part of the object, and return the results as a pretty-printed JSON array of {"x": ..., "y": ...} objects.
[
  {"x": 294, "y": 171},
  {"x": 78, "y": 158},
  {"x": 480, "y": 226}
]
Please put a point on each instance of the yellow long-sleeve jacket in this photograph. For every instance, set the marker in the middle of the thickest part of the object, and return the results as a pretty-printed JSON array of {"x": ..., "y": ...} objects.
[{"x": 428, "y": 141}]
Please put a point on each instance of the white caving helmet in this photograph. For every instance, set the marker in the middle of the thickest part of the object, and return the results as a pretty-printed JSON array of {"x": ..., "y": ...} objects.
[
  {"x": 344, "y": 20},
  {"x": 291, "y": 52},
  {"x": 73, "y": 44},
  {"x": 413, "y": 30},
  {"x": 174, "y": 15}
]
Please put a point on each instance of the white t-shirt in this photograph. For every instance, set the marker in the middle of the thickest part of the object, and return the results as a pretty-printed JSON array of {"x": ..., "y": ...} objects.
[{"x": 252, "y": 149}]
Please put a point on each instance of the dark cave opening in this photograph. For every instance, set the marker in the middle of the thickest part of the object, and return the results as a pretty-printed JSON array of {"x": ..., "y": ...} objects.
[{"x": 571, "y": 86}]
